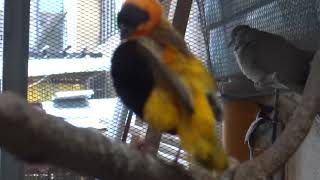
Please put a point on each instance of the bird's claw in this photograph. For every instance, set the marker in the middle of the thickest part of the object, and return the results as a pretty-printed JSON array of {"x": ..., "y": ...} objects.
[
  {"x": 277, "y": 82},
  {"x": 271, "y": 80}
]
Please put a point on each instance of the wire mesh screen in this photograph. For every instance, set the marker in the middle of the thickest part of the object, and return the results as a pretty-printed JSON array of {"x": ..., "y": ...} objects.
[
  {"x": 71, "y": 43},
  {"x": 1, "y": 39},
  {"x": 195, "y": 35},
  {"x": 70, "y": 46},
  {"x": 1, "y": 45},
  {"x": 296, "y": 20}
]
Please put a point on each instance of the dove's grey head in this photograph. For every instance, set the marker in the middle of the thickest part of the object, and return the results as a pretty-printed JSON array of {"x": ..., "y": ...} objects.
[{"x": 236, "y": 35}]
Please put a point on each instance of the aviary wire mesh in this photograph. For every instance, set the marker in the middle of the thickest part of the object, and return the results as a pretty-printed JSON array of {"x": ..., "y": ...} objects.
[
  {"x": 71, "y": 42},
  {"x": 1, "y": 38},
  {"x": 296, "y": 20},
  {"x": 1, "y": 45}
]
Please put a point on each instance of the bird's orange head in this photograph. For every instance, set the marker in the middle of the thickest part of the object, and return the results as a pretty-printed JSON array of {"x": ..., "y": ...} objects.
[{"x": 139, "y": 17}]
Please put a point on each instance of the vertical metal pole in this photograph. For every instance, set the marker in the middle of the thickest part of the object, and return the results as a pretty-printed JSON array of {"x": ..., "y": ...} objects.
[
  {"x": 152, "y": 140},
  {"x": 178, "y": 154},
  {"x": 16, "y": 46},
  {"x": 127, "y": 127},
  {"x": 122, "y": 117},
  {"x": 181, "y": 15},
  {"x": 275, "y": 117},
  {"x": 15, "y": 69},
  {"x": 280, "y": 175}
]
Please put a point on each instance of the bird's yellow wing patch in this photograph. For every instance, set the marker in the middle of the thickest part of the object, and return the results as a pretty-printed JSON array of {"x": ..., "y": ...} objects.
[{"x": 161, "y": 110}]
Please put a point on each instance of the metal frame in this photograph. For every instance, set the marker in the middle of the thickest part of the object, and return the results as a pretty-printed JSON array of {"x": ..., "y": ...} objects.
[
  {"x": 127, "y": 127},
  {"x": 181, "y": 15},
  {"x": 16, "y": 46},
  {"x": 15, "y": 69}
]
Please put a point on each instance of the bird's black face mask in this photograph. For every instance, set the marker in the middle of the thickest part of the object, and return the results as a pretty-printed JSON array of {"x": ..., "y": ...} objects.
[{"x": 129, "y": 19}]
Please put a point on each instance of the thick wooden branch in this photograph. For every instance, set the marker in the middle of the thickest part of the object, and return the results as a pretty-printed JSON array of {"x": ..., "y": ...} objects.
[
  {"x": 152, "y": 141},
  {"x": 36, "y": 137},
  {"x": 296, "y": 130}
]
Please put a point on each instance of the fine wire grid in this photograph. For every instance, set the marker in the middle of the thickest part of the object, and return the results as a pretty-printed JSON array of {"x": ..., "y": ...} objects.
[
  {"x": 70, "y": 46},
  {"x": 72, "y": 41}
]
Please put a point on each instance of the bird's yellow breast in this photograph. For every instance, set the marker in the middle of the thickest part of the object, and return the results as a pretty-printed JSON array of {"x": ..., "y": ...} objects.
[
  {"x": 190, "y": 68},
  {"x": 196, "y": 131},
  {"x": 162, "y": 108}
]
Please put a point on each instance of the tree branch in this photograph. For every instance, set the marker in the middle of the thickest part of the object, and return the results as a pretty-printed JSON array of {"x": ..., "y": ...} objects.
[
  {"x": 296, "y": 130},
  {"x": 36, "y": 137}
]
